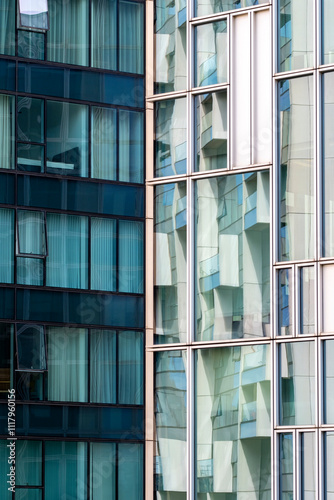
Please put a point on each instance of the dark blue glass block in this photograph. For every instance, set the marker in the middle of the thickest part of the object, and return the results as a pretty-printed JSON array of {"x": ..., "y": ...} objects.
[
  {"x": 125, "y": 311},
  {"x": 7, "y": 188},
  {"x": 4, "y": 418},
  {"x": 42, "y": 80},
  {"x": 7, "y": 75},
  {"x": 6, "y": 303}
]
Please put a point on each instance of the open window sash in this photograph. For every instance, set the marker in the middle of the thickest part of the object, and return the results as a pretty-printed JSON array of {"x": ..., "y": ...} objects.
[{"x": 33, "y": 15}]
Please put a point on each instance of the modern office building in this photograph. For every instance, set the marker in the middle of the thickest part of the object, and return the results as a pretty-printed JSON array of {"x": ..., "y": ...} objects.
[
  {"x": 240, "y": 212},
  {"x": 72, "y": 247}
]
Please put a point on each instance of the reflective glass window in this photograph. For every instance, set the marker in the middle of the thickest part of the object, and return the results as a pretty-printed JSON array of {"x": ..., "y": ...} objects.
[
  {"x": 307, "y": 301},
  {"x": 104, "y": 34},
  {"x": 131, "y": 257},
  {"x": 103, "y": 471},
  {"x": 308, "y": 465},
  {"x": 170, "y": 263},
  {"x": 328, "y": 464},
  {"x": 30, "y": 120},
  {"x": 296, "y": 169},
  {"x": 130, "y": 471},
  {"x": 285, "y": 301},
  {"x": 232, "y": 257},
  {"x": 130, "y": 368},
  {"x": 31, "y": 233},
  {"x": 171, "y": 137},
  {"x": 170, "y": 472},
  {"x": 328, "y": 164},
  {"x": 4, "y": 469},
  {"x": 7, "y": 245},
  {"x": 28, "y": 494},
  {"x": 30, "y": 44},
  {"x": 211, "y": 53},
  {"x": 7, "y": 27},
  {"x": 286, "y": 478},
  {"x": 233, "y": 445},
  {"x": 103, "y": 254},
  {"x": 211, "y": 131},
  {"x": 131, "y": 146},
  {"x": 29, "y": 463},
  {"x": 6, "y": 349},
  {"x": 170, "y": 45},
  {"x": 208, "y": 7},
  {"x": 103, "y": 359},
  {"x": 328, "y": 381},
  {"x": 297, "y": 383},
  {"x": 104, "y": 143},
  {"x": 33, "y": 14},
  {"x": 131, "y": 36},
  {"x": 7, "y": 129},
  {"x": 327, "y": 32},
  {"x": 31, "y": 353}
]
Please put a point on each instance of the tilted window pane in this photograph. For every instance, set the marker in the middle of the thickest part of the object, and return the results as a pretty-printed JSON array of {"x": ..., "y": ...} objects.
[
  {"x": 31, "y": 354},
  {"x": 233, "y": 421},
  {"x": 171, "y": 137},
  {"x": 30, "y": 119},
  {"x": 67, "y": 364},
  {"x": 308, "y": 465},
  {"x": 7, "y": 245},
  {"x": 328, "y": 164},
  {"x": 285, "y": 299},
  {"x": 307, "y": 301},
  {"x": 6, "y": 349},
  {"x": 67, "y": 138},
  {"x": 170, "y": 45},
  {"x": 329, "y": 463},
  {"x": 103, "y": 366},
  {"x": 295, "y": 34},
  {"x": 65, "y": 470},
  {"x": 34, "y": 14},
  {"x": 104, "y": 34},
  {"x": 131, "y": 146},
  {"x": 130, "y": 368},
  {"x": 31, "y": 232},
  {"x": 68, "y": 35},
  {"x": 130, "y": 471},
  {"x": 297, "y": 168},
  {"x": 232, "y": 256},
  {"x": 286, "y": 478},
  {"x": 170, "y": 478},
  {"x": 211, "y": 53},
  {"x": 103, "y": 254},
  {"x": 327, "y": 32},
  {"x": 170, "y": 288},
  {"x": 7, "y": 27},
  {"x": 103, "y": 471},
  {"x": 67, "y": 262},
  {"x": 297, "y": 383},
  {"x": 29, "y": 463},
  {"x": 211, "y": 131},
  {"x": 328, "y": 381},
  {"x": 208, "y": 7},
  {"x": 131, "y": 257},
  {"x": 131, "y": 37},
  {"x": 103, "y": 143},
  {"x": 7, "y": 131}
]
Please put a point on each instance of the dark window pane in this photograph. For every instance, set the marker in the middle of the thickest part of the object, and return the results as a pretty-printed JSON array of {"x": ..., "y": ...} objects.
[
  {"x": 31, "y": 347},
  {"x": 7, "y": 38},
  {"x": 6, "y": 341},
  {"x": 29, "y": 463}
]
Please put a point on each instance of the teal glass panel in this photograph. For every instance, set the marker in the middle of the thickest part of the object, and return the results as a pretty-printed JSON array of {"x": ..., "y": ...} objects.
[
  {"x": 28, "y": 494},
  {"x": 211, "y": 131},
  {"x": 30, "y": 44},
  {"x": 30, "y": 119},
  {"x": 65, "y": 470},
  {"x": 307, "y": 301},
  {"x": 103, "y": 254},
  {"x": 4, "y": 469},
  {"x": 7, "y": 245},
  {"x": 170, "y": 285},
  {"x": 30, "y": 157},
  {"x": 232, "y": 257},
  {"x": 295, "y": 35},
  {"x": 7, "y": 188},
  {"x": 7, "y": 27},
  {"x": 29, "y": 386},
  {"x": 297, "y": 383},
  {"x": 104, "y": 34},
  {"x": 31, "y": 232},
  {"x": 104, "y": 143},
  {"x": 233, "y": 422},
  {"x": 29, "y": 463},
  {"x": 308, "y": 465},
  {"x": 170, "y": 46},
  {"x": 286, "y": 478},
  {"x": 328, "y": 164},
  {"x": 131, "y": 37},
  {"x": 7, "y": 131},
  {"x": 171, "y": 137},
  {"x": 208, "y": 7},
  {"x": 131, "y": 146},
  {"x": 68, "y": 35},
  {"x": 296, "y": 169},
  {"x": 170, "y": 468},
  {"x": 328, "y": 381},
  {"x": 103, "y": 471},
  {"x": 6, "y": 356},
  {"x": 67, "y": 139},
  {"x": 130, "y": 368},
  {"x": 67, "y": 261},
  {"x": 103, "y": 366},
  {"x": 31, "y": 354},
  {"x": 67, "y": 364},
  {"x": 130, "y": 471},
  {"x": 29, "y": 271},
  {"x": 329, "y": 463},
  {"x": 327, "y": 32},
  {"x": 211, "y": 53},
  {"x": 130, "y": 257},
  {"x": 285, "y": 298}
]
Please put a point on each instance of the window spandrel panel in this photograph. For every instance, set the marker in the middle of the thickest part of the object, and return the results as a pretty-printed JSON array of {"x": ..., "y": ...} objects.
[
  {"x": 170, "y": 263},
  {"x": 211, "y": 53},
  {"x": 232, "y": 257},
  {"x": 233, "y": 445},
  {"x": 296, "y": 169}
]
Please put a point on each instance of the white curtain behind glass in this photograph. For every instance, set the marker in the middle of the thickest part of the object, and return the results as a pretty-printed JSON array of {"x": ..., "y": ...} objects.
[
  {"x": 130, "y": 471},
  {"x": 131, "y": 255},
  {"x": 130, "y": 368},
  {"x": 67, "y": 364},
  {"x": 104, "y": 143},
  {"x": 7, "y": 27},
  {"x": 131, "y": 146},
  {"x": 68, "y": 34},
  {"x": 104, "y": 34},
  {"x": 131, "y": 37},
  {"x": 103, "y": 366},
  {"x": 6, "y": 245},
  {"x": 31, "y": 232},
  {"x": 103, "y": 254},
  {"x": 7, "y": 124},
  {"x": 103, "y": 471}
]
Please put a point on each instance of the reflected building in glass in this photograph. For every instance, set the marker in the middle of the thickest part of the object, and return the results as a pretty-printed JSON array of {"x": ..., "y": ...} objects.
[
  {"x": 72, "y": 227},
  {"x": 240, "y": 219}
]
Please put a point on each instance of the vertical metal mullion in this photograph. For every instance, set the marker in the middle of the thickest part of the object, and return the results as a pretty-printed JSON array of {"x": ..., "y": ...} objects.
[
  {"x": 43, "y": 470},
  {"x": 295, "y": 449},
  {"x": 88, "y": 470},
  {"x": 190, "y": 425},
  {"x": 116, "y": 470}
]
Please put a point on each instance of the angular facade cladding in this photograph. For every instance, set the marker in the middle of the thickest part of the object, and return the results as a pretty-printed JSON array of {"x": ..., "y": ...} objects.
[
  {"x": 72, "y": 247},
  {"x": 240, "y": 212}
]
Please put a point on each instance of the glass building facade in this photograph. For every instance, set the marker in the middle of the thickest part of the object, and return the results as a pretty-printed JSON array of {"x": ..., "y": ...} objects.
[
  {"x": 72, "y": 226},
  {"x": 239, "y": 218}
]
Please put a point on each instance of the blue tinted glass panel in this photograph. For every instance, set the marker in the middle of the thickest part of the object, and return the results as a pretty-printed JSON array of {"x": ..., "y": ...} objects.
[
  {"x": 130, "y": 368},
  {"x": 6, "y": 303},
  {"x": 7, "y": 26},
  {"x": 104, "y": 34},
  {"x": 6, "y": 245},
  {"x": 5, "y": 359},
  {"x": 103, "y": 254},
  {"x": 30, "y": 44},
  {"x": 131, "y": 257},
  {"x": 4, "y": 470},
  {"x": 7, "y": 75},
  {"x": 29, "y": 463},
  {"x": 131, "y": 39},
  {"x": 130, "y": 471},
  {"x": 7, "y": 188}
]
